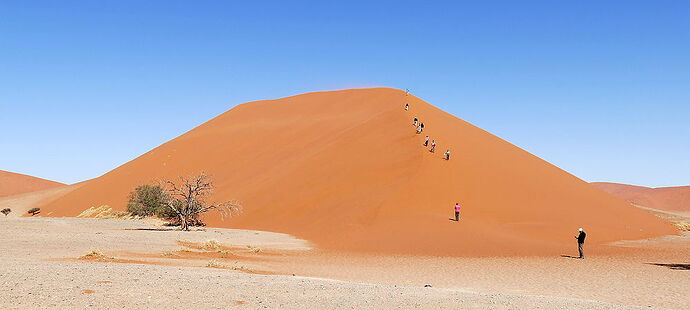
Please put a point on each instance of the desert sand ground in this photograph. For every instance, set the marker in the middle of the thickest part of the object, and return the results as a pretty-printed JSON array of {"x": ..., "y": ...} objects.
[{"x": 145, "y": 266}]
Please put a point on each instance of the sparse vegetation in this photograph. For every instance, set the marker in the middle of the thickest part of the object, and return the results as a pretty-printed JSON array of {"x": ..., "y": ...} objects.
[
  {"x": 96, "y": 255},
  {"x": 171, "y": 253},
  {"x": 224, "y": 253},
  {"x": 187, "y": 200},
  {"x": 682, "y": 226},
  {"x": 240, "y": 268},
  {"x": 181, "y": 202},
  {"x": 6, "y": 211},
  {"x": 148, "y": 200},
  {"x": 104, "y": 212},
  {"x": 210, "y": 245},
  {"x": 34, "y": 211},
  {"x": 215, "y": 264}
]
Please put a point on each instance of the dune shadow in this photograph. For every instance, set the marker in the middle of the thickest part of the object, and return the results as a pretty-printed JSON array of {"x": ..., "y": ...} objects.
[
  {"x": 569, "y": 256},
  {"x": 672, "y": 266},
  {"x": 452, "y": 219}
]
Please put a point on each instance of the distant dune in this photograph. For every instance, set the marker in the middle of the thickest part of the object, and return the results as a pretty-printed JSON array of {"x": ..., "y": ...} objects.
[
  {"x": 345, "y": 170},
  {"x": 662, "y": 198},
  {"x": 15, "y": 183}
]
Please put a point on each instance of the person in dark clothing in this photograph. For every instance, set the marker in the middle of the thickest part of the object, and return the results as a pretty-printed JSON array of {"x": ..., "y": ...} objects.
[
  {"x": 426, "y": 141},
  {"x": 414, "y": 122},
  {"x": 447, "y": 154},
  {"x": 407, "y": 107},
  {"x": 581, "y": 242}
]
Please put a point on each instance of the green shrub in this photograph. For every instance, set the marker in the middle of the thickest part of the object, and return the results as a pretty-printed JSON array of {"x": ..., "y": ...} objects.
[{"x": 148, "y": 200}]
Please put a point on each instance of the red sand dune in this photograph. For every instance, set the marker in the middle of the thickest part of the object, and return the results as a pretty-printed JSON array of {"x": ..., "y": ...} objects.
[
  {"x": 15, "y": 183},
  {"x": 346, "y": 170},
  {"x": 662, "y": 198}
]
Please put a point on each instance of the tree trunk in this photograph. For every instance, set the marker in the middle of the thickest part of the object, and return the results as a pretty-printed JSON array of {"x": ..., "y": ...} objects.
[{"x": 184, "y": 223}]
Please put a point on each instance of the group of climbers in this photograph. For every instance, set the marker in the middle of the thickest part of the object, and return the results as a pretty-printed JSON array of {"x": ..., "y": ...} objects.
[{"x": 420, "y": 128}]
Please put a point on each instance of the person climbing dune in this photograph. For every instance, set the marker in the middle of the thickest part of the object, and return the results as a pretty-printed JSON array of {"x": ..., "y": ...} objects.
[
  {"x": 447, "y": 154},
  {"x": 419, "y": 129},
  {"x": 426, "y": 141},
  {"x": 457, "y": 212},
  {"x": 433, "y": 146},
  {"x": 415, "y": 122},
  {"x": 407, "y": 107}
]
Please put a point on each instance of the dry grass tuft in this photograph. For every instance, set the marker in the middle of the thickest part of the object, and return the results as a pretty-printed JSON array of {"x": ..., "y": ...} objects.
[
  {"x": 239, "y": 268},
  {"x": 171, "y": 253},
  {"x": 214, "y": 264},
  {"x": 96, "y": 255},
  {"x": 210, "y": 245},
  {"x": 185, "y": 250},
  {"x": 224, "y": 253},
  {"x": 682, "y": 226},
  {"x": 104, "y": 212},
  {"x": 253, "y": 249}
]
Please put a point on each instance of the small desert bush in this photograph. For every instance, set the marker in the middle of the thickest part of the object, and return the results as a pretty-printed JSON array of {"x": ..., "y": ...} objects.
[
  {"x": 210, "y": 245},
  {"x": 253, "y": 249},
  {"x": 6, "y": 211},
  {"x": 34, "y": 211},
  {"x": 682, "y": 226}
]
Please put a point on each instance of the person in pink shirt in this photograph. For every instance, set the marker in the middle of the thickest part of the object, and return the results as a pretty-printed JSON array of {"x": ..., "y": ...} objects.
[{"x": 457, "y": 212}]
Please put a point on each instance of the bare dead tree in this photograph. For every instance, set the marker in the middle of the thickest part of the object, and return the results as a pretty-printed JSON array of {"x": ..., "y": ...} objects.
[{"x": 188, "y": 199}]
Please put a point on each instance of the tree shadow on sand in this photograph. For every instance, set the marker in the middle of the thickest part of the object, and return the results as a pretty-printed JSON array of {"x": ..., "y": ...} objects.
[
  {"x": 673, "y": 266},
  {"x": 154, "y": 229}
]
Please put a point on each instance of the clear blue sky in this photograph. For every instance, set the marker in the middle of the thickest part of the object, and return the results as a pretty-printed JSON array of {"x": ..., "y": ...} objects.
[{"x": 599, "y": 88}]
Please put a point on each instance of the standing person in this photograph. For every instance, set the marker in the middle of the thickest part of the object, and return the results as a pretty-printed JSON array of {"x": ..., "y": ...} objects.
[
  {"x": 447, "y": 153},
  {"x": 426, "y": 141},
  {"x": 457, "y": 212},
  {"x": 415, "y": 121},
  {"x": 419, "y": 129},
  {"x": 433, "y": 146},
  {"x": 422, "y": 125},
  {"x": 407, "y": 107},
  {"x": 581, "y": 242},
  {"x": 407, "y": 92}
]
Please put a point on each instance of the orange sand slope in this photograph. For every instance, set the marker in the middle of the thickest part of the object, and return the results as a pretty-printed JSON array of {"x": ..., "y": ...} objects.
[
  {"x": 15, "y": 183},
  {"x": 662, "y": 198},
  {"x": 346, "y": 170}
]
